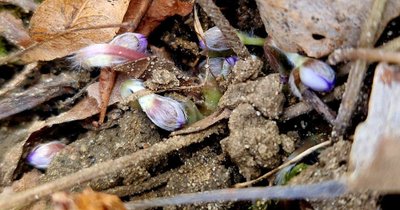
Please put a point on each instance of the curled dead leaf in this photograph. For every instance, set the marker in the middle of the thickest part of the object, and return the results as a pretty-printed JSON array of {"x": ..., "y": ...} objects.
[
  {"x": 56, "y": 25},
  {"x": 317, "y": 28}
]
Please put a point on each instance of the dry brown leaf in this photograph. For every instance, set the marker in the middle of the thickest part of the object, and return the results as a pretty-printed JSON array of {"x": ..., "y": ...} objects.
[
  {"x": 318, "y": 27},
  {"x": 161, "y": 9},
  {"x": 55, "y": 17},
  {"x": 375, "y": 152},
  {"x": 13, "y": 30},
  {"x": 87, "y": 200}
]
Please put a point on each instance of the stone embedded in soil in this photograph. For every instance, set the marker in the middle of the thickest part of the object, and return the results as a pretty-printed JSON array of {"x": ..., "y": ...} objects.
[
  {"x": 254, "y": 142},
  {"x": 245, "y": 69},
  {"x": 264, "y": 94},
  {"x": 134, "y": 131},
  {"x": 333, "y": 164},
  {"x": 162, "y": 78}
]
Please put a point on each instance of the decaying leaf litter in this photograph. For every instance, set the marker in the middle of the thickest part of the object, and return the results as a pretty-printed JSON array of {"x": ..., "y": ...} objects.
[{"x": 253, "y": 131}]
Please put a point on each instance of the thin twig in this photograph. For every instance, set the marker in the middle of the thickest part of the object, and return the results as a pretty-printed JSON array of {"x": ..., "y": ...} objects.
[
  {"x": 294, "y": 160},
  {"x": 311, "y": 98},
  {"x": 327, "y": 189},
  {"x": 19, "y": 78},
  {"x": 357, "y": 73},
  {"x": 141, "y": 158},
  {"x": 370, "y": 55},
  {"x": 303, "y": 107},
  {"x": 228, "y": 31}
]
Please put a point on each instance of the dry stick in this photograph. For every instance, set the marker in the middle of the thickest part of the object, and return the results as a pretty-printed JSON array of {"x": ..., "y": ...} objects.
[
  {"x": 228, "y": 31},
  {"x": 303, "y": 107},
  {"x": 294, "y": 160},
  {"x": 357, "y": 73},
  {"x": 140, "y": 158},
  {"x": 327, "y": 189},
  {"x": 20, "y": 77},
  {"x": 371, "y": 55},
  {"x": 311, "y": 98}
]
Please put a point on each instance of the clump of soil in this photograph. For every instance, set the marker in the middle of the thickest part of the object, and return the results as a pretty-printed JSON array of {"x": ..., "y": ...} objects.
[
  {"x": 264, "y": 94},
  {"x": 254, "y": 142}
]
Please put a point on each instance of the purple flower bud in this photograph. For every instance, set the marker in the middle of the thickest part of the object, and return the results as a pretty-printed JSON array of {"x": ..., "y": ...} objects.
[
  {"x": 232, "y": 60},
  {"x": 41, "y": 156},
  {"x": 103, "y": 55},
  {"x": 215, "y": 40},
  {"x": 164, "y": 112},
  {"x": 133, "y": 41},
  {"x": 124, "y": 47},
  {"x": 219, "y": 66},
  {"x": 317, "y": 75}
]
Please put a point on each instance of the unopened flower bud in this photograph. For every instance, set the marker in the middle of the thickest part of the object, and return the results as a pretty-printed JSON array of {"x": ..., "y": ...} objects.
[
  {"x": 133, "y": 41},
  {"x": 317, "y": 75},
  {"x": 164, "y": 112},
  {"x": 232, "y": 60},
  {"x": 123, "y": 48},
  {"x": 214, "y": 39},
  {"x": 41, "y": 156},
  {"x": 220, "y": 66}
]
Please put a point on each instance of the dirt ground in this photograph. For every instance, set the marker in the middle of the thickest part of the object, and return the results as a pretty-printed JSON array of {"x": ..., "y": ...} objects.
[{"x": 253, "y": 140}]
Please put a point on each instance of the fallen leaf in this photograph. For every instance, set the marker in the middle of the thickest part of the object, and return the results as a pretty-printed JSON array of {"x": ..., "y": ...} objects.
[
  {"x": 375, "y": 152},
  {"x": 13, "y": 30},
  {"x": 161, "y": 9},
  {"x": 318, "y": 28},
  {"x": 56, "y": 25}
]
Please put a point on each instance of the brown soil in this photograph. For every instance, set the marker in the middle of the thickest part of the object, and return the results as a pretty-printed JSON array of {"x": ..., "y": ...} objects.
[{"x": 253, "y": 141}]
